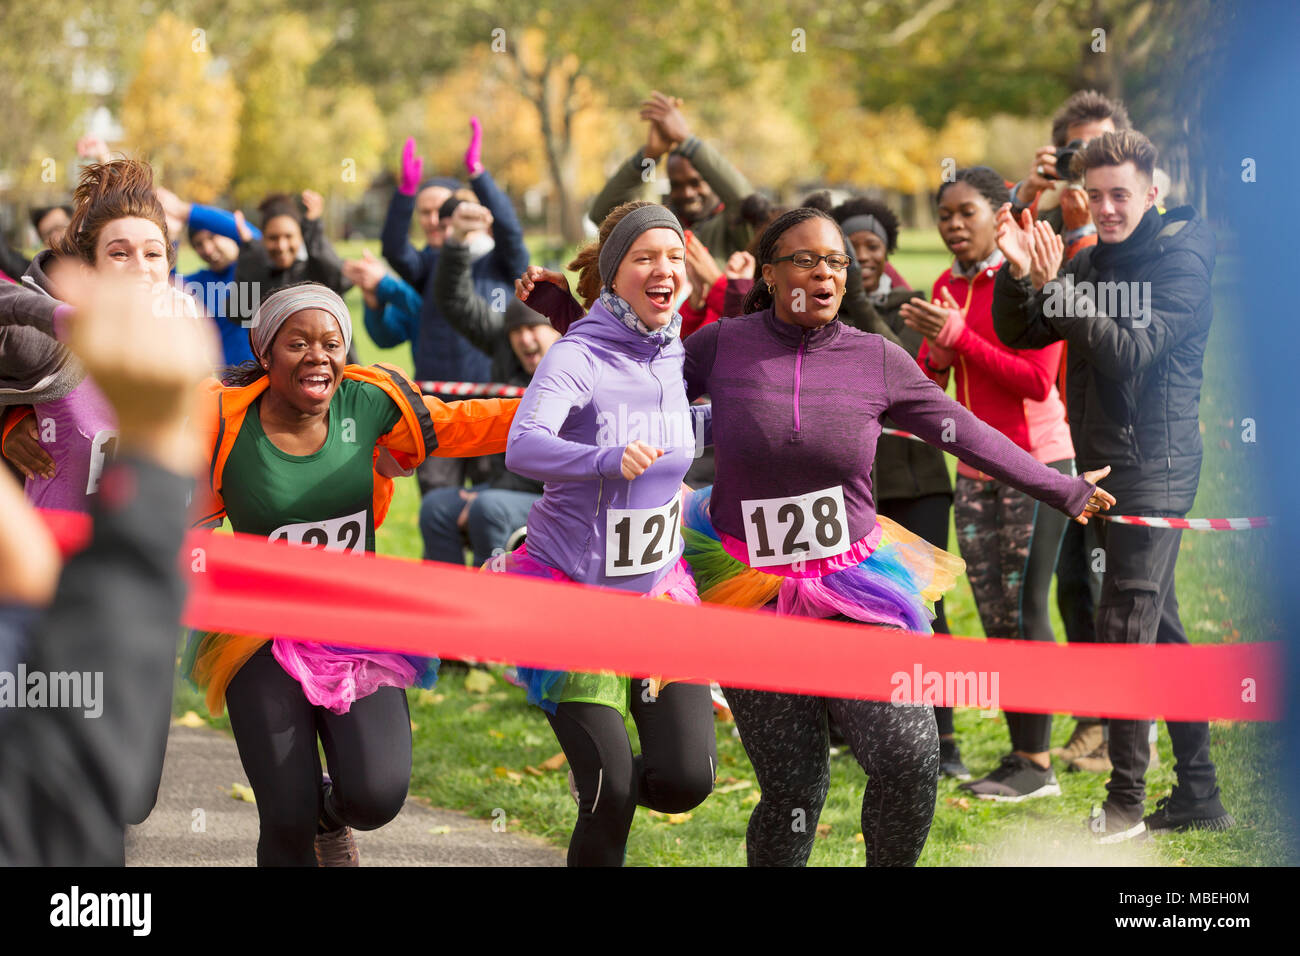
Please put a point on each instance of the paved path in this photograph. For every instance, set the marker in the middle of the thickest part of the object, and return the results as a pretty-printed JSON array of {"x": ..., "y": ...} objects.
[{"x": 203, "y": 764}]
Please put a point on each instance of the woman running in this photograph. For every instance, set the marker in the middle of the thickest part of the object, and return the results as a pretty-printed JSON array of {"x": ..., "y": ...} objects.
[
  {"x": 791, "y": 524},
  {"x": 60, "y": 430},
  {"x": 909, "y": 478},
  {"x": 1008, "y": 539},
  {"x": 303, "y": 451},
  {"x": 606, "y": 425}
]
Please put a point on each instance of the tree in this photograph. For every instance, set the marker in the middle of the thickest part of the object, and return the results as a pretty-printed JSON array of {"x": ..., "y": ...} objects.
[{"x": 181, "y": 114}]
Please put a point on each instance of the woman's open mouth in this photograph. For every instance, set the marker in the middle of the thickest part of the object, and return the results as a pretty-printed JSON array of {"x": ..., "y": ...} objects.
[
  {"x": 660, "y": 296},
  {"x": 316, "y": 384}
]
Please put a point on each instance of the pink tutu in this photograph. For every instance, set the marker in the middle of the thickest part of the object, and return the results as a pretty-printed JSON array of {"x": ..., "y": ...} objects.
[{"x": 333, "y": 678}]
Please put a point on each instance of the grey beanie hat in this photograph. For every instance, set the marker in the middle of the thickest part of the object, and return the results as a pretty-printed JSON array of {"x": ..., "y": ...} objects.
[{"x": 625, "y": 233}]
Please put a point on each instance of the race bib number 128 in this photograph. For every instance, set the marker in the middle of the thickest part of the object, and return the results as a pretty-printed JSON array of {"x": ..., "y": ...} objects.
[
  {"x": 333, "y": 534},
  {"x": 782, "y": 530},
  {"x": 641, "y": 540}
]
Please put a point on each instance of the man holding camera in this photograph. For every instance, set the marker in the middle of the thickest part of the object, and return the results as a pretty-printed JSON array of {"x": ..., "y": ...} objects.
[
  {"x": 1050, "y": 193},
  {"x": 1134, "y": 384}
]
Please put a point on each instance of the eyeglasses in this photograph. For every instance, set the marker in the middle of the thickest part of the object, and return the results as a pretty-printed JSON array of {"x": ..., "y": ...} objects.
[{"x": 838, "y": 261}]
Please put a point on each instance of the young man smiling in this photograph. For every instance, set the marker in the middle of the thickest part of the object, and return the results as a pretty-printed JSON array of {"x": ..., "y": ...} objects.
[{"x": 1133, "y": 394}]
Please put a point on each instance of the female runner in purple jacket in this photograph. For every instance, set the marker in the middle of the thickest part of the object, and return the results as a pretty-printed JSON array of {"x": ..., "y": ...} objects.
[
  {"x": 606, "y": 425},
  {"x": 790, "y": 525}
]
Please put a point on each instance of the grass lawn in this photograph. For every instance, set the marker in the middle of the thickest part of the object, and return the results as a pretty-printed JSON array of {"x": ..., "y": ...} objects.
[{"x": 479, "y": 747}]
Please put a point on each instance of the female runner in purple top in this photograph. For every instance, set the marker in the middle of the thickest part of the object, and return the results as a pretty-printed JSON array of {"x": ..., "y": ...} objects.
[
  {"x": 605, "y": 424},
  {"x": 790, "y": 524}
]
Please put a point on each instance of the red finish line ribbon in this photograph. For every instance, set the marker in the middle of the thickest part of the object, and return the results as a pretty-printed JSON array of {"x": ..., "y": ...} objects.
[
  {"x": 442, "y": 610},
  {"x": 245, "y": 584}
]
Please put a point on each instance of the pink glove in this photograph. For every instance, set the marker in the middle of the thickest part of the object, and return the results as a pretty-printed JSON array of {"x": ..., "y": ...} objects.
[
  {"x": 474, "y": 155},
  {"x": 951, "y": 330},
  {"x": 412, "y": 166}
]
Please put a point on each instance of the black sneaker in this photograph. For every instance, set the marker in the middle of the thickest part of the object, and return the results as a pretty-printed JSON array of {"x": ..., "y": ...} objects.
[
  {"x": 950, "y": 764},
  {"x": 1111, "y": 825},
  {"x": 1175, "y": 813},
  {"x": 1015, "y": 779}
]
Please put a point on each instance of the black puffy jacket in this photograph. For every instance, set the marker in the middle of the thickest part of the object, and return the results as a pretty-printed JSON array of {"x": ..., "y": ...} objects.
[{"x": 1133, "y": 375}]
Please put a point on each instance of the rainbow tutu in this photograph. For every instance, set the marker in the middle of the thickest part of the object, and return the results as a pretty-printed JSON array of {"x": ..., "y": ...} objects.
[
  {"x": 896, "y": 584},
  {"x": 546, "y": 688}
]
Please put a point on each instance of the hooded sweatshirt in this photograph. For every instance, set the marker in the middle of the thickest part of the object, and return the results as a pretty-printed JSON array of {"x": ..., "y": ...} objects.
[
  {"x": 599, "y": 388},
  {"x": 75, "y": 423}
]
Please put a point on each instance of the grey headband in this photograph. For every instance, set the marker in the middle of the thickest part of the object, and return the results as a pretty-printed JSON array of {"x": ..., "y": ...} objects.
[
  {"x": 867, "y": 222},
  {"x": 277, "y": 308},
  {"x": 625, "y": 233}
]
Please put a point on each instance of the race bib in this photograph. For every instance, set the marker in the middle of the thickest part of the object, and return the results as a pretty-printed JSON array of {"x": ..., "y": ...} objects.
[
  {"x": 102, "y": 447},
  {"x": 640, "y": 540},
  {"x": 333, "y": 534},
  {"x": 783, "y": 530}
]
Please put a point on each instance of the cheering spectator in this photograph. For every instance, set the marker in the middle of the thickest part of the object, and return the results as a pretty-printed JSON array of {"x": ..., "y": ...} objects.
[{"x": 1134, "y": 393}]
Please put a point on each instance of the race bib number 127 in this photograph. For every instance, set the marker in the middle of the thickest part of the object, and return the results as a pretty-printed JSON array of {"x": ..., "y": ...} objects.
[
  {"x": 783, "y": 530},
  {"x": 333, "y": 534},
  {"x": 641, "y": 540}
]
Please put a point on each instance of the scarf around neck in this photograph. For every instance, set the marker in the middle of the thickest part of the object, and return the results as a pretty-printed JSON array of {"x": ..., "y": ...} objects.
[{"x": 619, "y": 308}]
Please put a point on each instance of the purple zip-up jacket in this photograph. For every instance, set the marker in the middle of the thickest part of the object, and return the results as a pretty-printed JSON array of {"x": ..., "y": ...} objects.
[
  {"x": 599, "y": 388},
  {"x": 796, "y": 411}
]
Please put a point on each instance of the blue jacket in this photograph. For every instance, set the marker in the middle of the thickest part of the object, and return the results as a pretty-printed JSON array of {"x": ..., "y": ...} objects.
[
  {"x": 235, "y": 346},
  {"x": 440, "y": 352}
]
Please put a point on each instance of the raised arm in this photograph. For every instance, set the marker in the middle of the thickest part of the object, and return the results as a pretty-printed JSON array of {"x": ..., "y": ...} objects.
[
  {"x": 919, "y": 406},
  {"x": 459, "y": 304},
  {"x": 625, "y": 185},
  {"x": 217, "y": 221},
  {"x": 509, "y": 253}
]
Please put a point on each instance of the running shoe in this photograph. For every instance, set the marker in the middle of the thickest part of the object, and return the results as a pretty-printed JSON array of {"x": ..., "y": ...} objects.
[
  {"x": 1015, "y": 779},
  {"x": 1086, "y": 738},
  {"x": 1109, "y": 825},
  {"x": 1176, "y": 813},
  {"x": 950, "y": 763},
  {"x": 337, "y": 848}
]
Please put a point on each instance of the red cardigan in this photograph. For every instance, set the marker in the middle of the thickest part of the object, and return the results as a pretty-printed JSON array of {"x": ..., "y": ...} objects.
[{"x": 1011, "y": 389}]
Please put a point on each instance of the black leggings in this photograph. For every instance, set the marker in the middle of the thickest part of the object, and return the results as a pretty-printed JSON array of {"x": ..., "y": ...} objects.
[
  {"x": 368, "y": 750},
  {"x": 785, "y": 737},
  {"x": 673, "y": 773},
  {"x": 928, "y": 517},
  {"x": 1010, "y": 543}
]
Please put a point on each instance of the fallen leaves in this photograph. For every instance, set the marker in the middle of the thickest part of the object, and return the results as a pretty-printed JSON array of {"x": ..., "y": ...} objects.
[
  {"x": 961, "y": 803},
  {"x": 243, "y": 792},
  {"x": 669, "y": 818},
  {"x": 440, "y": 830},
  {"x": 823, "y": 831},
  {"x": 190, "y": 719},
  {"x": 553, "y": 763},
  {"x": 514, "y": 776},
  {"x": 479, "y": 682}
]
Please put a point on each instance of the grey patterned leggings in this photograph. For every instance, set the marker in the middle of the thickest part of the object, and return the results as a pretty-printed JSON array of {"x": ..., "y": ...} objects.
[{"x": 785, "y": 737}]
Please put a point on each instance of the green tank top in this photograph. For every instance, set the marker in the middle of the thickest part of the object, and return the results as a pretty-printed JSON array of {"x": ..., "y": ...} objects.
[{"x": 323, "y": 500}]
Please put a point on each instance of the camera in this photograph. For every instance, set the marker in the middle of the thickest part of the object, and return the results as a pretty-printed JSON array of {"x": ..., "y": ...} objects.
[{"x": 1064, "y": 157}]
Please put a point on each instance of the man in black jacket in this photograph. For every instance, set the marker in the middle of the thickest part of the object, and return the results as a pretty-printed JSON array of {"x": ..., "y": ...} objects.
[
  {"x": 1135, "y": 310},
  {"x": 74, "y": 776}
]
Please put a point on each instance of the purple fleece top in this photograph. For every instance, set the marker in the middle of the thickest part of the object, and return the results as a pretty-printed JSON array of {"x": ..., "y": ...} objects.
[
  {"x": 600, "y": 387},
  {"x": 797, "y": 411}
]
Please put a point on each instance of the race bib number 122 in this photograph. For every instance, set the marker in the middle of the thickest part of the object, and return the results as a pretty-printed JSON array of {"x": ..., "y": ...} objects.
[
  {"x": 782, "y": 530},
  {"x": 333, "y": 534}
]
